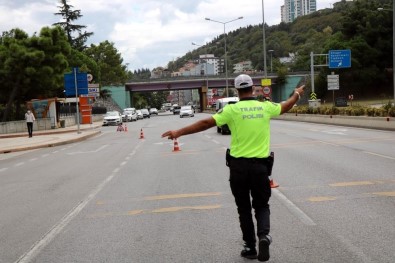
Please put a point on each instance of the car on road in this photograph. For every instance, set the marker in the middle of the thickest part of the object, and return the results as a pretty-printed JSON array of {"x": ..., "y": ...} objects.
[
  {"x": 139, "y": 115},
  {"x": 219, "y": 104},
  {"x": 129, "y": 115},
  {"x": 153, "y": 111},
  {"x": 176, "y": 109},
  {"x": 145, "y": 113},
  {"x": 112, "y": 118},
  {"x": 186, "y": 111}
]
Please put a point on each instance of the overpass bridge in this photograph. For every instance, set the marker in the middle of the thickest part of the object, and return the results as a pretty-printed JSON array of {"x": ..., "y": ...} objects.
[{"x": 202, "y": 84}]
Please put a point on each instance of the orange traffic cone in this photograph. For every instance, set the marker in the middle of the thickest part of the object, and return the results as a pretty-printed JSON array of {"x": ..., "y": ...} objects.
[
  {"x": 126, "y": 128},
  {"x": 176, "y": 147},
  {"x": 273, "y": 184},
  {"x": 141, "y": 134}
]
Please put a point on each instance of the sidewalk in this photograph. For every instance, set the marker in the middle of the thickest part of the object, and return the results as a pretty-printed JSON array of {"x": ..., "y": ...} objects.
[{"x": 15, "y": 142}]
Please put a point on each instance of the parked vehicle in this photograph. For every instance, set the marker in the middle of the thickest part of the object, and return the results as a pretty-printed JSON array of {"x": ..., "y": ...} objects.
[
  {"x": 176, "y": 110},
  {"x": 139, "y": 115},
  {"x": 153, "y": 111},
  {"x": 129, "y": 115},
  {"x": 145, "y": 113},
  {"x": 112, "y": 118},
  {"x": 186, "y": 111}
]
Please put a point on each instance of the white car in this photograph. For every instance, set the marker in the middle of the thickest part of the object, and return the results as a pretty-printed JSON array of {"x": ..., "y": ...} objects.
[
  {"x": 153, "y": 111},
  {"x": 139, "y": 115},
  {"x": 112, "y": 118},
  {"x": 186, "y": 111},
  {"x": 129, "y": 116}
]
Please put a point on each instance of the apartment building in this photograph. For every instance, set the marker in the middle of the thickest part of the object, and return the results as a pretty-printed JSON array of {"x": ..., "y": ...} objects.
[
  {"x": 295, "y": 8},
  {"x": 214, "y": 64},
  {"x": 242, "y": 66}
]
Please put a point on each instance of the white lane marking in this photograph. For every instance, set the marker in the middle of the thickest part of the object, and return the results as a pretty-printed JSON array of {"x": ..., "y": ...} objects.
[
  {"x": 293, "y": 208},
  {"x": 123, "y": 163},
  {"x": 33, "y": 159},
  {"x": 328, "y": 143},
  {"x": 380, "y": 155},
  {"x": 208, "y": 136},
  {"x": 95, "y": 151},
  {"x": 217, "y": 142},
  {"x": 336, "y": 131},
  {"x": 58, "y": 228},
  {"x": 55, "y": 152},
  {"x": 3, "y": 169},
  {"x": 164, "y": 143},
  {"x": 44, "y": 155},
  {"x": 19, "y": 164}
]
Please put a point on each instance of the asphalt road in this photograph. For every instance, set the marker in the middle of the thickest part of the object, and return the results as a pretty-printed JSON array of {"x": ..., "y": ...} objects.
[{"x": 119, "y": 198}]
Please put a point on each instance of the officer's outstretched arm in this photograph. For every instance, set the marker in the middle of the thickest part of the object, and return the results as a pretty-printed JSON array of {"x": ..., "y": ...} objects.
[
  {"x": 193, "y": 128},
  {"x": 290, "y": 102}
]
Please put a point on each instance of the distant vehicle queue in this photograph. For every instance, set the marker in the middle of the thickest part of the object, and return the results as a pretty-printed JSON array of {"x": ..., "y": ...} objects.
[{"x": 132, "y": 114}]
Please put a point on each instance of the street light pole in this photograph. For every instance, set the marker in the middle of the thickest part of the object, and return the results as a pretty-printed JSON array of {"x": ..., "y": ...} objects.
[
  {"x": 393, "y": 45},
  {"x": 264, "y": 41},
  {"x": 226, "y": 63}
]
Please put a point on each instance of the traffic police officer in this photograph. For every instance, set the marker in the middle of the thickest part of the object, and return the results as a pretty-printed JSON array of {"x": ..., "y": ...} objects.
[{"x": 249, "y": 123}]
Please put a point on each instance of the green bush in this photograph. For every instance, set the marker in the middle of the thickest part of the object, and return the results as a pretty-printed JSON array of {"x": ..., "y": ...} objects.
[{"x": 355, "y": 110}]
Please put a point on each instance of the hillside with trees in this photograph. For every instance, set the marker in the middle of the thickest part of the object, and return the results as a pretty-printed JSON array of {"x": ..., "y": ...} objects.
[{"x": 356, "y": 25}]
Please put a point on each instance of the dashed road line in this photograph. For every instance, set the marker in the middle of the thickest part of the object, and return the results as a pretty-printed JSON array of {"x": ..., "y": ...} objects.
[
  {"x": 181, "y": 208},
  {"x": 322, "y": 198},
  {"x": 356, "y": 183},
  {"x": 155, "y": 211},
  {"x": 177, "y": 196},
  {"x": 58, "y": 228},
  {"x": 390, "y": 194},
  {"x": 380, "y": 155}
]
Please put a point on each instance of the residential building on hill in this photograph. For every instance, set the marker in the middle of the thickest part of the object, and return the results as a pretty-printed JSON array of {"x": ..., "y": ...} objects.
[
  {"x": 243, "y": 66},
  {"x": 295, "y": 8}
]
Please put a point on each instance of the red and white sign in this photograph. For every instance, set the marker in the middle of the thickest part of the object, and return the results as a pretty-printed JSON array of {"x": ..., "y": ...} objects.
[{"x": 267, "y": 90}]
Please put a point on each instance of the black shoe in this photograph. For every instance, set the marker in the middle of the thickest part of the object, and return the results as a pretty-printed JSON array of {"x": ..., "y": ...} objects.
[
  {"x": 264, "y": 243},
  {"x": 249, "y": 252}
]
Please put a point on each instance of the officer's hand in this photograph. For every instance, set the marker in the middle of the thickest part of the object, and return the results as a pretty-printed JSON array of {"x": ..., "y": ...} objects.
[
  {"x": 300, "y": 90},
  {"x": 170, "y": 135}
]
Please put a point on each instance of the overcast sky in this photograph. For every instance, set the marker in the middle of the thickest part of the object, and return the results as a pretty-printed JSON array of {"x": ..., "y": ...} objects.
[{"x": 148, "y": 33}]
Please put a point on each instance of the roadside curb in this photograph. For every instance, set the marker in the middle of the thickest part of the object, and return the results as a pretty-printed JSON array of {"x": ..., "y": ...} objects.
[
  {"x": 379, "y": 123},
  {"x": 46, "y": 132},
  {"x": 45, "y": 145}
]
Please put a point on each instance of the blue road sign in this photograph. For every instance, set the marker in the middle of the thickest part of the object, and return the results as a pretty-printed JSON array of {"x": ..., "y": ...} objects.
[
  {"x": 69, "y": 84},
  {"x": 340, "y": 58}
]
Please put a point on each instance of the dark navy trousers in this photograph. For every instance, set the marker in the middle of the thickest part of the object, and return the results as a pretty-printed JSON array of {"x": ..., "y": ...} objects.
[{"x": 250, "y": 185}]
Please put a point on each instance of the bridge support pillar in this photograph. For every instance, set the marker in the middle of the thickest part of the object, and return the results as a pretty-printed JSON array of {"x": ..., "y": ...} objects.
[{"x": 203, "y": 98}]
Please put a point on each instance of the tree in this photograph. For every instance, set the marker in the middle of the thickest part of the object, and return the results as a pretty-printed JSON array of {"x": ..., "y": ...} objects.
[
  {"x": 70, "y": 15},
  {"x": 109, "y": 61},
  {"x": 31, "y": 67}
]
